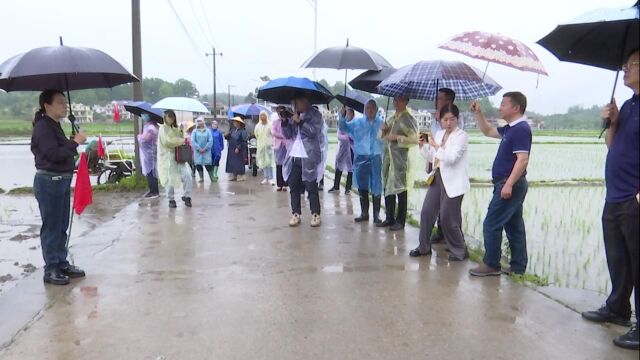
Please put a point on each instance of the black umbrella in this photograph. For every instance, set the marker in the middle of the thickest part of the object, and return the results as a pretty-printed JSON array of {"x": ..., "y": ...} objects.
[
  {"x": 602, "y": 38},
  {"x": 369, "y": 80},
  {"x": 64, "y": 68},
  {"x": 142, "y": 107},
  {"x": 353, "y": 100},
  {"x": 347, "y": 57}
]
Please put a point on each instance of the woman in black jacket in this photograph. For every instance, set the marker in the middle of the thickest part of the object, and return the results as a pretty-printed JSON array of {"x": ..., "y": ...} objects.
[{"x": 54, "y": 157}]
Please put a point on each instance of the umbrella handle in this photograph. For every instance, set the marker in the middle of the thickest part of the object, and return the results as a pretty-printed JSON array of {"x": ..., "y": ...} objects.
[{"x": 606, "y": 123}]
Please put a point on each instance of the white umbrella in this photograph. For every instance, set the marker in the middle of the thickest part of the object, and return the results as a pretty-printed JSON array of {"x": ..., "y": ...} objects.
[{"x": 181, "y": 104}]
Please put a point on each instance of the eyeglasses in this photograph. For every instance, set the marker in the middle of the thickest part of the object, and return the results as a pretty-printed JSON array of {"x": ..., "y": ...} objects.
[{"x": 625, "y": 67}]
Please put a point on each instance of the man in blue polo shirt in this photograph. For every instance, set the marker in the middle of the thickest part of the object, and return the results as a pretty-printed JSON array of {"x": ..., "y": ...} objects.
[
  {"x": 621, "y": 215},
  {"x": 510, "y": 186}
]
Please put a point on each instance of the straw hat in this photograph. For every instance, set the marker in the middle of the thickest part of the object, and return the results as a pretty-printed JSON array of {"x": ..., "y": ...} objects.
[{"x": 238, "y": 119}]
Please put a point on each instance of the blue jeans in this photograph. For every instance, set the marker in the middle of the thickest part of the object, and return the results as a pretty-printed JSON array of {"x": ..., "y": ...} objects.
[
  {"x": 507, "y": 215},
  {"x": 54, "y": 199}
]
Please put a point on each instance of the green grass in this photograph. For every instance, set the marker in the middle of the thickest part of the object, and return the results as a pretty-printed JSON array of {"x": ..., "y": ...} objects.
[
  {"x": 17, "y": 127},
  {"x": 128, "y": 184},
  {"x": 553, "y": 132},
  {"x": 24, "y": 190}
]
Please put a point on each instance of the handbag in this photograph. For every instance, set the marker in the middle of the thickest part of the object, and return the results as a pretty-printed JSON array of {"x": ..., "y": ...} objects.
[{"x": 184, "y": 154}]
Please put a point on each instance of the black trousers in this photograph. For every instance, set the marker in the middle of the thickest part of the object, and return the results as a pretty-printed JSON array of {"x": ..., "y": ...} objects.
[
  {"x": 279, "y": 178},
  {"x": 297, "y": 187},
  {"x": 390, "y": 204},
  {"x": 620, "y": 226},
  {"x": 152, "y": 181}
]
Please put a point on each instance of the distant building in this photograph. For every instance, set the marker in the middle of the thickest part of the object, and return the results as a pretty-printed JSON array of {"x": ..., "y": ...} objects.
[{"x": 83, "y": 113}]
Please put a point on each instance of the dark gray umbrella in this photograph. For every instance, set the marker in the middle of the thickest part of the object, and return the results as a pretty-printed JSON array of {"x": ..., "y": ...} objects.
[
  {"x": 63, "y": 68},
  {"x": 369, "y": 80},
  {"x": 347, "y": 57},
  {"x": 602, "y": 38},
  {"x": 353, "y": 100}
]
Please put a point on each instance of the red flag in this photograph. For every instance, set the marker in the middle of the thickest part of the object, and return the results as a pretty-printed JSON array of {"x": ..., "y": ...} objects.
[
  {"x": 116, "y": 113},
  {"x": 101, "y": 152},
  {"x": 83, "y": 194}
]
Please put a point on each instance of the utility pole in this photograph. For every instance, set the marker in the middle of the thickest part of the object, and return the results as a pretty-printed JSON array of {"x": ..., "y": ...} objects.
[
  {"x": 229, "y": 94},
  {"x": 213, "y": 54},
  {"x": 314, "y": 5},
  {"x": 136, "y": 44}
]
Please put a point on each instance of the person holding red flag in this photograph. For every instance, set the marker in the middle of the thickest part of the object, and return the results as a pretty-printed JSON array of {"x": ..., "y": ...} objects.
[{"x": 54, "y": 159}]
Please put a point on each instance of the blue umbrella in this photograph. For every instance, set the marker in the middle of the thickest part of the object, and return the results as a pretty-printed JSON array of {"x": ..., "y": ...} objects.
[
  {"x": 283, "y": 90},
  {"x": 423, "y": 79},
  {"x": 142, "y": 107},
  {"x": 249, "y": 109},
  {"x": 353, "y": 100}
]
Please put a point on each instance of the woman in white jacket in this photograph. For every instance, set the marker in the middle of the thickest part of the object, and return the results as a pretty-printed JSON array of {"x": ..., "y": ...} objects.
[{"x": 447, "y": 151}]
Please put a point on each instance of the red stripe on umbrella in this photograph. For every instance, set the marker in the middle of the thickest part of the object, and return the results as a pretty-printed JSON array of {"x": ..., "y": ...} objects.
[{"x": 495, "y": 48}]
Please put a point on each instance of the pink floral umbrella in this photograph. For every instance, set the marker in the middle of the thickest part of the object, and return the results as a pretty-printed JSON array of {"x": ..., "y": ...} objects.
[{"x": 495, "y": 48}]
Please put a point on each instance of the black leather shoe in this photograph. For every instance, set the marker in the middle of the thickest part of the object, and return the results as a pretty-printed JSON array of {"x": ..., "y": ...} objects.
[
  {"x": 630, "y": 340},
  {"x": 604, "y": 315},
  {"x": 385, "y": 223},
  {"x": 417, "y": 253},
  {"x": 361, "y": 218},
  {"x": 72, "y": 271},
  {"x": 56, "y": 278},
  {"x": 397, "y": 227},
  {"x": 333, "y": 190},
  {"x": 172, "y": 204},
  {"x": 187, "y": 201}
]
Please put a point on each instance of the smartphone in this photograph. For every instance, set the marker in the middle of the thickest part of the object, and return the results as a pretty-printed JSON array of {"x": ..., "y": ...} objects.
[{"x": 424, "y": 136}]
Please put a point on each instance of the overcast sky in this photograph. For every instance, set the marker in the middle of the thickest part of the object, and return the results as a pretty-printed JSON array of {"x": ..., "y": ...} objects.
[{"x": 275, "y": 37}]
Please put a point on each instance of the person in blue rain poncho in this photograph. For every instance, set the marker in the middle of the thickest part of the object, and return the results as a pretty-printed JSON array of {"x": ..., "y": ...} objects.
[
  {"x": 304, "y": 158},
  {"x": 367, "y": 165},
  {"x": 202, "y": 142},
  {"x": 216, "y": 149}
]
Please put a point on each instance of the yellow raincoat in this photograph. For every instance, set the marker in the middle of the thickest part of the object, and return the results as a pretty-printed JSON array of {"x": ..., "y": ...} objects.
[
  {"x": 398, "y": 174},
  {"x": 169, "y": 170},
  {"x": 264, "y": 151}
]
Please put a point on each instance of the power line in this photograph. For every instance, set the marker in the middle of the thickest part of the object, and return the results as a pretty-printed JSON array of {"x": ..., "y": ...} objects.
[
  {"x": 200, "y": 24},
  {"x": 206, "y": 18},
  {"x": 186, "y": 31}
]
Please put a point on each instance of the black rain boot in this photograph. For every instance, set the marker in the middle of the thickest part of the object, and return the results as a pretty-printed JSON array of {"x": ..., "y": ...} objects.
[
  {"x": 336, "y": 182},
  {"x": 376, "y": 210},
  {"x": 402, "y": 212},
  {"x": 364, "y": 206},
  {"x": 390, "y": 204},
  {"x": 201, "y": 174},
  {"x": 347, "y": 190}
]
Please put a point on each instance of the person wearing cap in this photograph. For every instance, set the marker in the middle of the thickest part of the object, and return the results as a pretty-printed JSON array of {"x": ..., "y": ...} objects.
[
  {"x": 237, "y": 153},
  {"x": 202, "y": 142},
  {"x": 400, "y": 136},
  {"x": 301, "y": 166}
]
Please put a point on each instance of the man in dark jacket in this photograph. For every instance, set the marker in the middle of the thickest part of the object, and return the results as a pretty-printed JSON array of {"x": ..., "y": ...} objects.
[{"x": 54, "y": 157}]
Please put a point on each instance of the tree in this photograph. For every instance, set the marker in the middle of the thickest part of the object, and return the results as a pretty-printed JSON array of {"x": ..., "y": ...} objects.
[{"x": 186, "y": 88}]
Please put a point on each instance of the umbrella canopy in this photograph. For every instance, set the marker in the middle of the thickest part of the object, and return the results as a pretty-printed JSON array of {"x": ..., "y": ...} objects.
[
  {"x": 142, "y": 107},
  {"x": 64, "y": 68},
  {"x": 495, "y": 48},
  {"x": 601, "y": 37},
  {"x": 369, "y": 80},
  {"x": 181, "y": 104},
  {"x": 249, "y": 109},
  {"x": 353, "y": 100},
  {"x": 423, "y": 79},
  {"x": 283, "y": 90},
  {"x": 347, "y": 57}
]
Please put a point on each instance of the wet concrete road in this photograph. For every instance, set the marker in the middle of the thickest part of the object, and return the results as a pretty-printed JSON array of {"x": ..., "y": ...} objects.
[{"x": 227, "y": 279}]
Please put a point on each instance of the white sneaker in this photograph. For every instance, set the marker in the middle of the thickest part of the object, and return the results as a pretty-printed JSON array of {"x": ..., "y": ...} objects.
[
  {"x": 295, "y": 220},
  {"x": 241, "y": 178},
  {"x": 263, "y": 182},
  {"x": 315, "y": 220}
]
